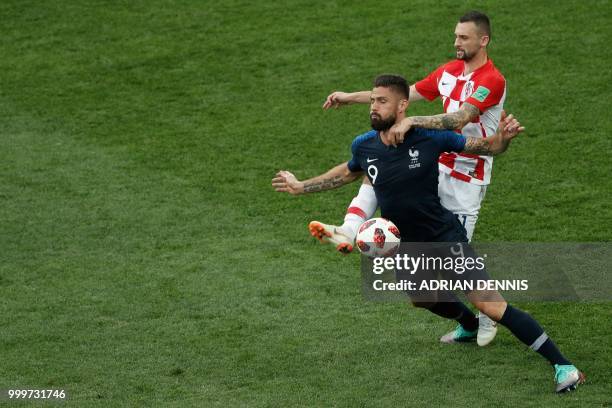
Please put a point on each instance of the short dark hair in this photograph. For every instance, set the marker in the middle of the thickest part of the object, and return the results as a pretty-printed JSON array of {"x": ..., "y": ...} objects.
[
  {"x": 480, "y": 19},
  {"x": 396, "y": 82}
]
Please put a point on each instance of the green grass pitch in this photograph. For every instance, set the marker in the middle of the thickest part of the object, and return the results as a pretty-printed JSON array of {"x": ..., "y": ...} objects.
[{"x": 146, "y": 261}]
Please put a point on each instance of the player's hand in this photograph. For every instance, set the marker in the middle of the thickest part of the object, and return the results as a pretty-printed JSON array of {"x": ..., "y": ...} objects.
[
  {"x": 286, "y": 182},
  {"x": 509, "y": 127},
  {"x": 397, "y": 133},
  {"x": 336, "y": 100}
]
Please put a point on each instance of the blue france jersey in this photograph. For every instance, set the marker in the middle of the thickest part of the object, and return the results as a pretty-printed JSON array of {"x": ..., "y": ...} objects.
[{"x": 405, "y": 180}]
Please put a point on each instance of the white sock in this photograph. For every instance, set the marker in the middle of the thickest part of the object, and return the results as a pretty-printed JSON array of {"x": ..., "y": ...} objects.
[{"x": 361, "y": 208}]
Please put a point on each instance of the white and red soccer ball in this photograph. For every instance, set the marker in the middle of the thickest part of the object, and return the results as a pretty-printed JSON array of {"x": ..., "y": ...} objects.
[{"x": 378, "y": 237}]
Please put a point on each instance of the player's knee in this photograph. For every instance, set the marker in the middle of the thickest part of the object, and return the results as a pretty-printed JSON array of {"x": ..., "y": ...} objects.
[{"x": 495, "y": 310}]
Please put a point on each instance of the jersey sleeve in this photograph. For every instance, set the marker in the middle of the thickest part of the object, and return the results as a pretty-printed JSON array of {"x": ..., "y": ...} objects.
[
  {"x": 488, "y": 93},
  {"x": 428, "y": 86},
  {"x": 354, "y": 164},
  {"x": 447, "y": 140}
]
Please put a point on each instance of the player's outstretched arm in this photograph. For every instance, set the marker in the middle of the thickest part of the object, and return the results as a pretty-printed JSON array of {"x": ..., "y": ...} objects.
[
  {"x": 450, "y": 121},
  {"x": 340, "y": 175},
  {"x": 339, "y": 98},
  {"x": 508, "y": 129}
]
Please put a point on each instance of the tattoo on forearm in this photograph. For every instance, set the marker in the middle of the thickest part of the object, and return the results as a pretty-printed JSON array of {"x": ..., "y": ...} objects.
[
  {"x": 324, "y": 184},
  {"x": 477, "y": 146},
  {"x": 471, "y": 112},
  {"x": 451, "y": 121}
]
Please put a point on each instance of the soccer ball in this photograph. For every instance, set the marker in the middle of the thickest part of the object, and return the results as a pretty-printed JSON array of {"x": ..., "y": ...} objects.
[{"x": 378, "y": 237}]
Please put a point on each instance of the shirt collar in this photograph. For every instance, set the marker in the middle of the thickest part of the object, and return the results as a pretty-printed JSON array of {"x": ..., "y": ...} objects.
[{"x": 486, "y": 65}]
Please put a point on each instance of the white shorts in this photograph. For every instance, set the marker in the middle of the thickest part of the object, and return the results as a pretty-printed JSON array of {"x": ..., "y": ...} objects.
[{"x": 461, "y": 198}]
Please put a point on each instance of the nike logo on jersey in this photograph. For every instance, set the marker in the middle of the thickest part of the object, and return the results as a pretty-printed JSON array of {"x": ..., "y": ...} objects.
[{"x": 370, "y": 160}]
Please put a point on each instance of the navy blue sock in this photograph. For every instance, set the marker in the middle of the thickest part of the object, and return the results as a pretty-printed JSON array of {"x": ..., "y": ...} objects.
[
  {"x": 456, "y": 311},
  {"x": 527, "y": 330}
]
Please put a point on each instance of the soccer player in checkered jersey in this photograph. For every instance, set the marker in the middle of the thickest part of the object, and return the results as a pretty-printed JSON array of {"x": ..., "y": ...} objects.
[{"x": 472, "y": 91}]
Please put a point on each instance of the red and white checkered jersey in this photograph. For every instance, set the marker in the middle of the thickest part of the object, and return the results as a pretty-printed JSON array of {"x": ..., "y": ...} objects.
[{"x": 484, "y": 88}]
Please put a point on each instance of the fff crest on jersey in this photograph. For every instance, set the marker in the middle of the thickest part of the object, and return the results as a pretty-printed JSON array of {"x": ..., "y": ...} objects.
[{"x": 414, "y": 158}]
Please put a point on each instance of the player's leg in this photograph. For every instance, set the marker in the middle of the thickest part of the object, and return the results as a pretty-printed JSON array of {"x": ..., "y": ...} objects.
[
  {"x": 450, "y": 307},
  {"x": 467, "y": 328},
  {"x": 522, "y": 325},
  {"x": 443, "y": 303},
  {"x": 362, "y": 207},
  {"x": 487, "y": 327},
  {"x": 464, "y": 200},
  {"x": 527, "y": 329}
]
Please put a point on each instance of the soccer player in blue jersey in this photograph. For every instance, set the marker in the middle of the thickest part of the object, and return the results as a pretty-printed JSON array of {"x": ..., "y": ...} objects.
[{"x": 405, "y": 181}]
